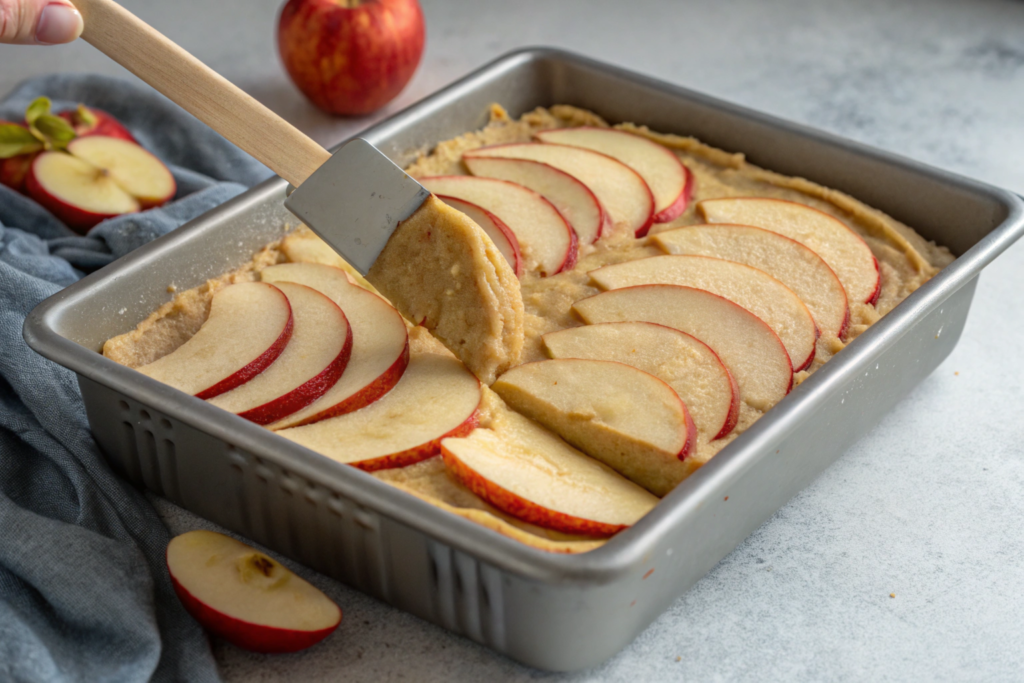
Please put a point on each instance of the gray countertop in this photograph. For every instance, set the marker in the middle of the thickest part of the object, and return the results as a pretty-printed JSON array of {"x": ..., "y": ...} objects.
[{"x": 927, "y": 507}]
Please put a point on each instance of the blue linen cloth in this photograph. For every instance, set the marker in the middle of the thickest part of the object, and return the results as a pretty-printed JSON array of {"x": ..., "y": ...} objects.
[{"x": 84, "y": 591}]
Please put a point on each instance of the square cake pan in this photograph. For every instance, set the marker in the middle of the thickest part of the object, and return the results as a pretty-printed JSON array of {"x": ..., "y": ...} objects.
[{"x": 556, "y": 612}]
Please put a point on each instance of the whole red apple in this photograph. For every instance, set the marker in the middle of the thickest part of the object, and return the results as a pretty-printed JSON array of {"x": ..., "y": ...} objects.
[
  {"x": 351, "y": 57},
  {"x": 88, "y": 121}
]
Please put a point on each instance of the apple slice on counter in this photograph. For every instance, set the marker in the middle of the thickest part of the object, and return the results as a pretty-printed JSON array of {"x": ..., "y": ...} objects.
[
  {"x": 99, "y": 177},
  {"x": 380, "y": 342},
  {"x": 620, "y": 189},
  {"x": 248, "y": 328},
  {"x": 245, "y": 597},
  {"x": 547, "y": 242},
  {"x": 845, "y": 252},
  {"x": 670, "y": 181},
  {"x": 573, "y": 199},
  {"x": 437, "y": 397},
  {"x": 753, "y": 289},
  {"x": 628, "y": 419},
  {"x": 790, "y": 262},
  {"x": 531, "y": 474},
  {"x": 309, "y": 366},
  {"x": 685, "y": 363},
  {"x": 503, "y": 237},
  {"x": 747, "y": 346}
]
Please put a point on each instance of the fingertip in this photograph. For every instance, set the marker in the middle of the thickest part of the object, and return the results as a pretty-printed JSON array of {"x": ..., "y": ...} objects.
[{"x": 58, "y": 23}]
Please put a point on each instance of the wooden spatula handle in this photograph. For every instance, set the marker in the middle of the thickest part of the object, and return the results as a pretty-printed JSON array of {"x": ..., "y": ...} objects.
[{"x": 200, "y": 90}]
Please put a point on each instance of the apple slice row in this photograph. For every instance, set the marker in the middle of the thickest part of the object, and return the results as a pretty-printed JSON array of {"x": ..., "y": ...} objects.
[
  {"x": 620, "y": 189},
  {"x": 311, "y": 363},
  {"x": 670, "y": 182},
  {"x": 846, "y": 253},
  {"x": 628, "y": 419},
  {"x": 749, "y": 348},
  {"x": 247, "y": 329},
  {"x": 529, "y": 473},
  {"x": 547, "y": 242},
  {"x": 380, "y": 342},
  {"x": 436, "y": 398},
  {"x": 753, "y": 289},
  {"x": 502, "y": 236},
  {"x": 685, "y": 363},
  {"x": 573, "y": 199},
  {"x": 790, "y": 262}
]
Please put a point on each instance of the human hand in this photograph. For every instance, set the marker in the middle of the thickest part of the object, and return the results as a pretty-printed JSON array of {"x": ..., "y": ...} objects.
[{"x": 39, "y": 22}]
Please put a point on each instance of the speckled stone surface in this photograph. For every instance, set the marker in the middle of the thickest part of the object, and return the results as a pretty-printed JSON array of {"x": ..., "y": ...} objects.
[{"x": 927, "y": 507}]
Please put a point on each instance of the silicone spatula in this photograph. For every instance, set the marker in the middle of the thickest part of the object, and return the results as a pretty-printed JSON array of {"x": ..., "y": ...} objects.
[{"x": 354, "y": 199}]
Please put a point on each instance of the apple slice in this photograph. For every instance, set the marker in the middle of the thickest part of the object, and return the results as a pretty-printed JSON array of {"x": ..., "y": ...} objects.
[
  {"x": 620, "y": 189},
  {"x": 748, "y": 347},
  {"x": 135, "y": 170},
  {"x": 790, "y": 262},
  {"x": 310, "y": 364},
  {"x": 380, "y": 342},
  {"x": 670, "y": 181},
  {"x": 547, "y": 242},
  {"x": 79, "y": 194},
  {"x": 248, "y": 327},
  {"x": 841, "y": 248},
  {"x": 573, "y": 199},
  {"x": 685, "y": 363},
  {"x": 437, "y": 397},
  {"x": 753, "y": 289},
  {"x": 529, "y": 473},
  {"x": 504, "y": 239},
  {"x": 246, "y": 597},
  {"x": 628, "y": 419}
]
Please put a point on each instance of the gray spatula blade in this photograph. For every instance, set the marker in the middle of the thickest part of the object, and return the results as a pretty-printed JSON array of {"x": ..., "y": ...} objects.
[{"x": 355, "y": 200}]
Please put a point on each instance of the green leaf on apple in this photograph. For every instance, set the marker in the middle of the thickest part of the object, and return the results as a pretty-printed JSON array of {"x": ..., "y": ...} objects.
[
  {"x": 39, "y": 107},
  {"x": 15, "y": 140},
  {"x": 55, "y": 131},
  {"x": 84, "y": 116}
]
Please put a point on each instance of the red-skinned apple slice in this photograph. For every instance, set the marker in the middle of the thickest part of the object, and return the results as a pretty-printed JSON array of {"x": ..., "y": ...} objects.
[
  {"x": 685, "y": 363},
  {"x": 380, "y": 342},
  {"x": 620, "y": 189},
  {"x": 573, "y": 199},
  {"x": 245, "y": 596},
  {"x": 248, "y": 328},
  {"x": 309, "y": 366},
  {"x": 747, "y": 346},
  {"x": 547, "y": 242},
  {"x": 135, "y": 170},
  {"x": 753, "y": 289},
  {"x": 670, "y": 181},
  {"x": 628, "y": 419},
  {"x": 437, "y": 397},
  {"x": 790, "y": 262},
  {"x": 841, "y": 248},
  {"x": 76, "y": 192},
  {"x": 529, "y": 473},
  {"x": 503, "y": 237}
]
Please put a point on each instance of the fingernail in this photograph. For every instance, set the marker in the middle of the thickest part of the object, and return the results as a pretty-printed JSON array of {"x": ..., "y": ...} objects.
[{"x": 58, "y": 24}]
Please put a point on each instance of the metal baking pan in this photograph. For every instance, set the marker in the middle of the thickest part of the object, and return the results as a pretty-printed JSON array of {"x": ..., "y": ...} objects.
[{"x": 556, "y": 612}]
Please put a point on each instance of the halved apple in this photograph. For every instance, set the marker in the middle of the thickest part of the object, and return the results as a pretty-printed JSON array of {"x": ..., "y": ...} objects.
[
  {"x": 98, "y": 178},
  {"x": 529, "y": 473},
  {"x": 573, "y": 199},
  {"x": 839, "y": 246},
  {"x": 437, "y": 397},
  {"x": 246, "y": 597},
  {"x": 380, "y": 342},
  {"x": 785, "y": 259},
  {"x": 748, "y": 347},
  {"x": 628, "y": 419},
  {"x": 685, "y": 363},
  {"x": 502, "y": 236},
  {"x": 310, "y": 364},
  {"x": 670, "y": 181},
  {"x": 753, "y": 289},
  {"x": 547, "y": 242},
  {"x": 620, "y": 189},
  {"x": 248, "y": 327}
]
